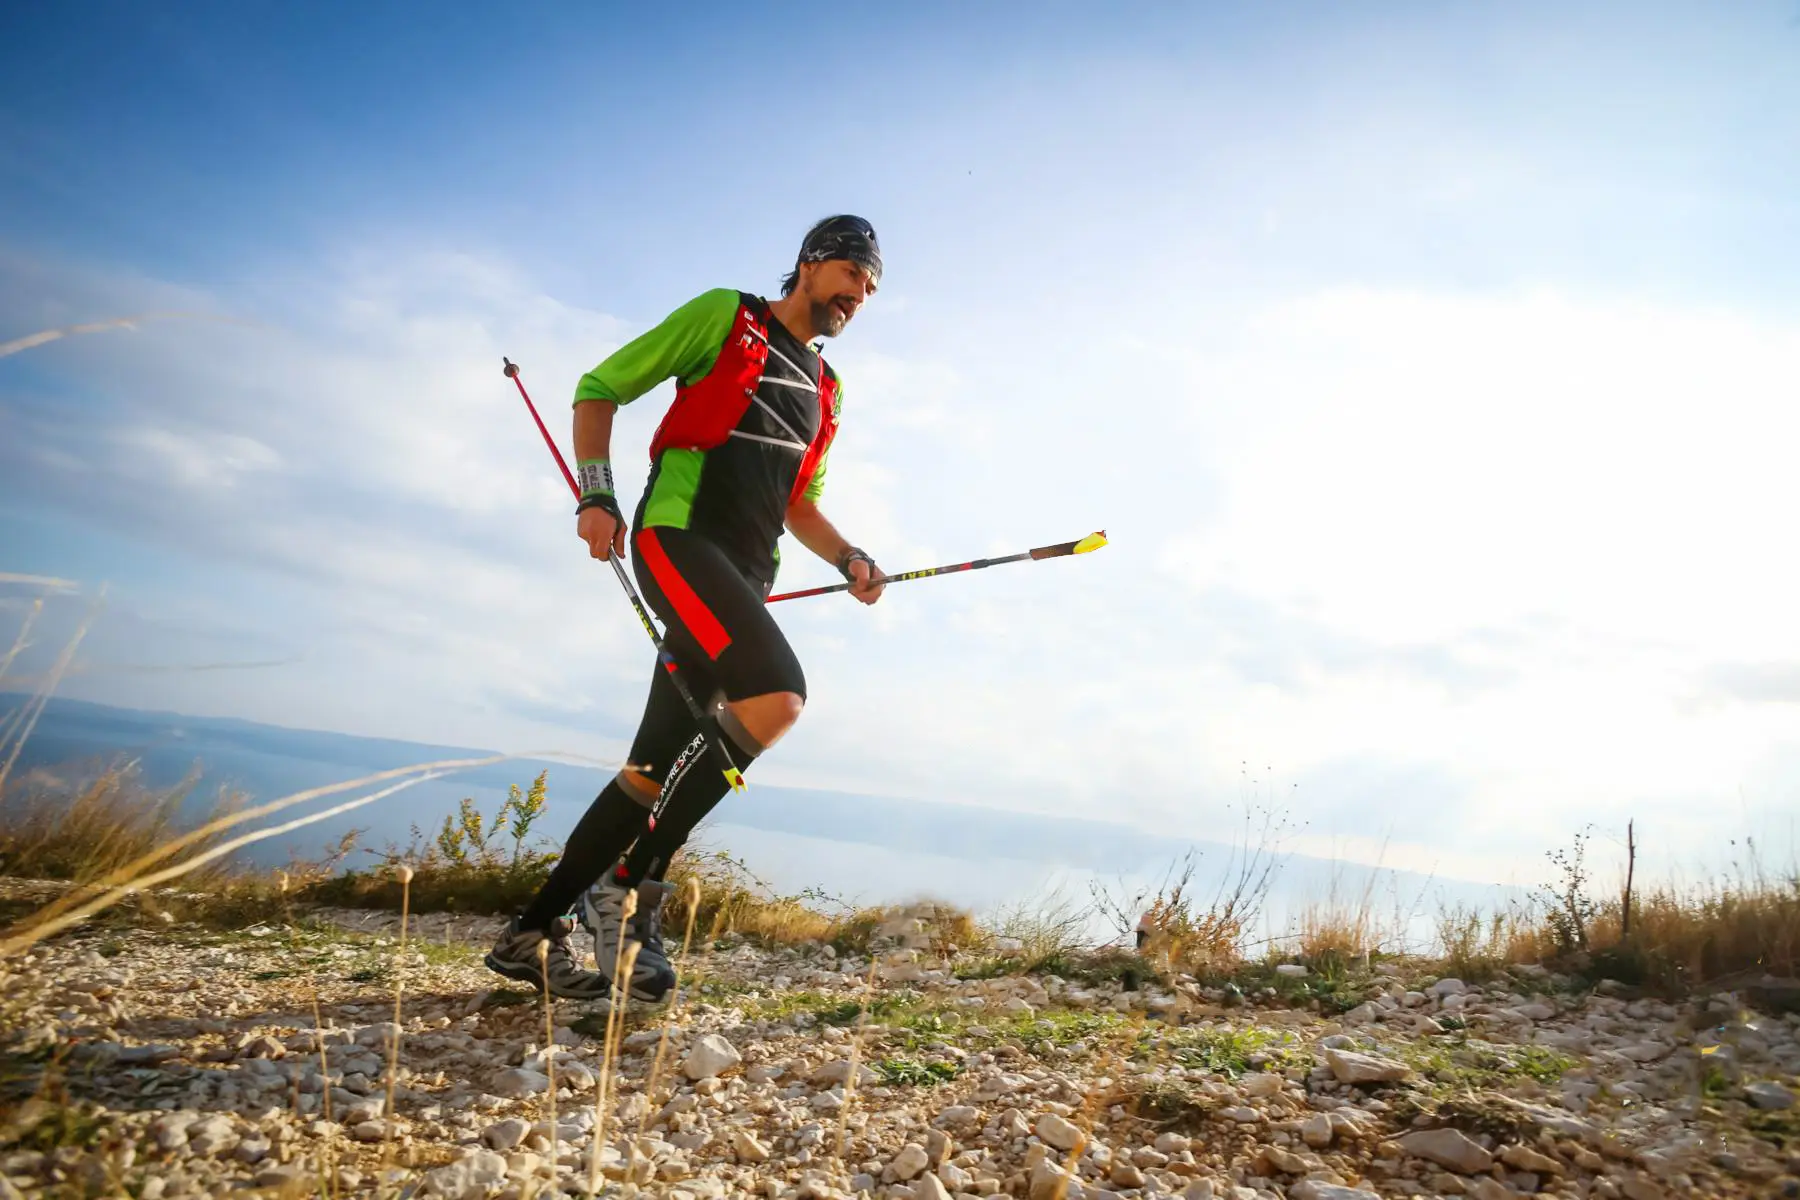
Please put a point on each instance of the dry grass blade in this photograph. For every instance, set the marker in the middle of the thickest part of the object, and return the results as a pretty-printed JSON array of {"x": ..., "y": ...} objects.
[
  {"x": 14, "y": 719},
  {"x": 862, "y": 1031},
  {"x": 36, "y": 705},
  {"x": 692, "y": 888},
  {"x": 328, "y": 1163},
  {"x": 328, "y": 1173},
  {"x": 42, "y": 581},
  {"x": 387, "y": 1114},
  {"x": 21, "y": 641},
  {"x": 616, "y": 1037},
  {"x": 1090, "y": 1104},
  {"x": 615, "y": 1017},
  {"x": 543, "y": 954},
  {"x": 42, "y": 929},
  {"x": 44, "y": 336}
]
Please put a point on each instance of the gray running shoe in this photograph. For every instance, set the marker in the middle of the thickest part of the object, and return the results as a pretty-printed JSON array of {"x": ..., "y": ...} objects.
[
  {"x": 602, "y": 909},
  {"x": 515, "y": 955}
]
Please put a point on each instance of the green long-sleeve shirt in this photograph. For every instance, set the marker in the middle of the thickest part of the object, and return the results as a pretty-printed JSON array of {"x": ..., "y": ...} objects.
[{"x": 735, "y": 492}]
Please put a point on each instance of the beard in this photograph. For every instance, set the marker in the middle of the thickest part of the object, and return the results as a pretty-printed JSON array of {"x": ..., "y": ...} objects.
[{"x": 828, "y": 318}]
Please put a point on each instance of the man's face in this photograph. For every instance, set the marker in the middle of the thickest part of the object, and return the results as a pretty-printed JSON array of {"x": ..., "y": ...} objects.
[{"x": 836, "y": 289}]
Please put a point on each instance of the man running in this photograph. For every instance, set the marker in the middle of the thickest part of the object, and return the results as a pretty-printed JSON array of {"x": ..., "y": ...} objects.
[{"x": 740, "y": 455}]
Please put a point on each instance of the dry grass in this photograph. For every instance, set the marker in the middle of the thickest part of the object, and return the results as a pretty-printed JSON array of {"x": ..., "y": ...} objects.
[
  {"x": 93, "y": 832},
  {"x": 137, "y": 877},
  {"x": 1703, "y": 933},
  {"x": 1742, "y": 924},
  {"x": 118, "y": 840},
  {"x": 107, "y": 832},
  {"x": 86, "y": 832},
  {"x": 1476, "y": 946},
  {"x": 1182, "y": 931},
  {"x": 1332, "y": 931},
  {"x": 393, "y": 1063},
  {"x": 1049, "y": 928},
  {"x": 101, "y": 834},
  {"x": 732, "y": 899},
  {"x": 1353, "y": 924}
]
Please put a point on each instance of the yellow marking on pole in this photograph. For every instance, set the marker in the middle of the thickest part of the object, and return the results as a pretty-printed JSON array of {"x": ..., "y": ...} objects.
[
  {"x": 736, "y": 779},
  {"x": 1091, "y": 542}
]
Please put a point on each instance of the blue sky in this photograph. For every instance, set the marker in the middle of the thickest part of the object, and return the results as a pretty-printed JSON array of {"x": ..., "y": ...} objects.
[{"x": 1431, "y": 368}]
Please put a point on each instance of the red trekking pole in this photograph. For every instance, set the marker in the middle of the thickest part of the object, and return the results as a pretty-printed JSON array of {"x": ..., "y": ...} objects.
[{"x": 695, "y": 748}]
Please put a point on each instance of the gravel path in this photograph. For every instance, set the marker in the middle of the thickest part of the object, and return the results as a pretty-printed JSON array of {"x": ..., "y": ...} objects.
[{"x": 173, "y": 1062}]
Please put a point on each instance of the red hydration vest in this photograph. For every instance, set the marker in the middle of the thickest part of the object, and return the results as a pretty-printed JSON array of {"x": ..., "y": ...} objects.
[{"x": 706, "y": 411}]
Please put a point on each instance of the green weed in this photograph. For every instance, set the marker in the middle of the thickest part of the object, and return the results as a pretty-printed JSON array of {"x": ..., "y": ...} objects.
[
  {"x": 1462, "y": 1062},
  {"x": 1225, "y": 1051},
  {"x": 1175, "y": 1104},
  {"x": 1058, "y": 1028},
  {"x": 1780, "y": 1129},
  {"x": 465, "y": 868},
  {"x": 912, "y": 1073},
  {"x": 46, "y": 1127}
]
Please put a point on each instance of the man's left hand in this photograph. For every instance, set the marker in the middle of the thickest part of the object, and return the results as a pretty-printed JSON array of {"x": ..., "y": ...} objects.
[{"x": 861, "y": 573}]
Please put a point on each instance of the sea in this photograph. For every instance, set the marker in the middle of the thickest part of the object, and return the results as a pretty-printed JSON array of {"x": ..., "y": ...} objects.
[{"x": 1092, "y": 877}]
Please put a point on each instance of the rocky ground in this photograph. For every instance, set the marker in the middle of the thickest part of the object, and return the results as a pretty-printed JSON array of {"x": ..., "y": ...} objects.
[{"x": 179, "y": 1061}]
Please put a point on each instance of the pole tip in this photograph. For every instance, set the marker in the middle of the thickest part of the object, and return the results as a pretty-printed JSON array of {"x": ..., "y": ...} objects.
[
  {"x": 1091, "y": 542},
  {"x": 511, "y": 370}
]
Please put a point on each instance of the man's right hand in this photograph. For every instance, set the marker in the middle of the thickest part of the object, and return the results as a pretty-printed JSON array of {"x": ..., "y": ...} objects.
[{"x": 603, "y": 529}]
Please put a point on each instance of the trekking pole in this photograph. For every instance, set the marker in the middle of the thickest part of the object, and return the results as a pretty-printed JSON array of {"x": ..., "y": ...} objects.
[
  {"x": 1086, "y": 545},
  {"x": 695, "y": 748}
]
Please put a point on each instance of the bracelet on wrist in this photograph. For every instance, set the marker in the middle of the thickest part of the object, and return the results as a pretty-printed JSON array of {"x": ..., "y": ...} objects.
[
  {"x": 594, "y": 477},
  {"x": 853, "y": 554}
]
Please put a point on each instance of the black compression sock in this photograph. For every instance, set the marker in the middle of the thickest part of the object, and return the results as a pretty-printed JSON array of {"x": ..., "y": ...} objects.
[
  {"x": 610, "y": 824},
  {"x": 698, "y": 793},
  {"x": 650, "y": 854}
]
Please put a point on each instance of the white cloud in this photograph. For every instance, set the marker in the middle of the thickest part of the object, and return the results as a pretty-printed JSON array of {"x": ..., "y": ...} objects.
[
  {"x": 366, "y": 446},
  {"x": 1426, "y": 464},
  {"x": 1468, "y": 566},
  {"x": 1502, "y": 535},
  {"x": 193, "y": 460}
]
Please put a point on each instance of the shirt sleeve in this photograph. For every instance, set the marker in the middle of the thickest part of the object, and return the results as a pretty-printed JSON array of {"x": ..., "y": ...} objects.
[
  {"x": 815, "y": 487},
  {"x": 683, "y": 345}
]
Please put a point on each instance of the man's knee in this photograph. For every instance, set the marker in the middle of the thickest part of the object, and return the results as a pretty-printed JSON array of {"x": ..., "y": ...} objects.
[
  {"x": 786, "y": 707},
  {"x": 764, "y": 718}
]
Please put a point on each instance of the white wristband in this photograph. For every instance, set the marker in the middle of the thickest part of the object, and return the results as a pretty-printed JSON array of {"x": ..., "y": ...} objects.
[{"x": 594, "y": 477}]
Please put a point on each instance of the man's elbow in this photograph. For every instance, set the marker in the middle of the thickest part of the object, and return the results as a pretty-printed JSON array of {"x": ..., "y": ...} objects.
[{"x": 801, "y": 513}]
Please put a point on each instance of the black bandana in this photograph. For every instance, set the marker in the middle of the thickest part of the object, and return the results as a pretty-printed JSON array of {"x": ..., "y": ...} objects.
[{"x": 844, "y": 237}]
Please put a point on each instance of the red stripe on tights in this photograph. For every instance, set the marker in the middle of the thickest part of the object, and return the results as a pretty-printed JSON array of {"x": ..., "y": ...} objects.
[{"x": 688, "y": 606}]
